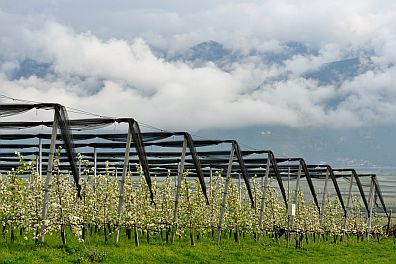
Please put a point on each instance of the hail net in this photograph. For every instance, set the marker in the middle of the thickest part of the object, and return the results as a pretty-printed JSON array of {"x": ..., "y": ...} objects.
[{"x": 61, "y": 118}]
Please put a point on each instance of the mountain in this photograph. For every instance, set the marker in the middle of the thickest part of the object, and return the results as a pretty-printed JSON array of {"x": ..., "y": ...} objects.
[
  {"x": 370, "y": 146},
  {"x": 334, "y": 72},
  {"x": 289, "y": 49},
  {"x": 205, "y": 51},
  {"x": 356, "y": 147},
  {"x": 212, "y": 51},
  {"x": 29, "y": 67},
  {"x": 215, "y": 52},
  {"x": 338, "y": 71}
]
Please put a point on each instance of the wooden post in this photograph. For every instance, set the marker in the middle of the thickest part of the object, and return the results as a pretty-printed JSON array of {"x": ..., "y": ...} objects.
[
  {"x": 264, "y": 186},
  {"x": 122, "y": 186},
  {"x": 179, "y": 181},
  {"x": 48, "y": 178},
  {"x": 224, "y": 201}
]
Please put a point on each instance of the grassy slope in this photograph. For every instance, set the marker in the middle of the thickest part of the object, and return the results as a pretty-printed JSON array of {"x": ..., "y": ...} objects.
[{"x": 205, "y": 251}]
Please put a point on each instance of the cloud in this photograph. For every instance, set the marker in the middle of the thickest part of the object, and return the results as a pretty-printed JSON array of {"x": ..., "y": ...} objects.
[
  {"x": 177, "y": 24},
  {"x": 237, "y": 24},
  {"x": 102, "y": 73}
]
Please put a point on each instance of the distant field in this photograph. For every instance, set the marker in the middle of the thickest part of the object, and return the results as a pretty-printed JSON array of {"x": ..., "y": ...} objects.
[{"x": 95, "y": 250}]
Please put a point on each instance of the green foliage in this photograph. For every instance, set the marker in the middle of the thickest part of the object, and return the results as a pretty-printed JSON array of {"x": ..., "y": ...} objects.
[
  {"x": 21, "y": 203},
  {"x": 95, "y": 250}
]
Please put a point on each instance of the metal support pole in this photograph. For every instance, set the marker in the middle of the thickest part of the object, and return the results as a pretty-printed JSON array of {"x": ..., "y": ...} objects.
[
  {"x": 40, "y": 157},
  {"x": 288, "y": 201},
  {"x": 379, "y": 194},
  {"x": 349, "y": 193},
  {"x": 210, "y": 183},
  {"x": 37, "y": 167},
  {"x": 122, "y": 186},
  {"x": 389, "y": 222},
  {"x": 371, "y": 203},
  {"x": 37, "y": 159},
  {"x": 224, "y": 201},
  {"x": 291, "y": 217},
  {"x": 95, "y": 161},
  {"x": 79, "y": 169},
  {"x": 288, "y": 185},
  {"x": 48, "y": 178},
  {"x": 324, "y": 198},
  {"x": 179, "y": 180},
  {"x": 297, "y": 184},
  {"x": 177, "y": 174},
  {"x": 348, "y": 206},
  {"x": 240, "y": 189},
  {"x": 264, "y": 186}
]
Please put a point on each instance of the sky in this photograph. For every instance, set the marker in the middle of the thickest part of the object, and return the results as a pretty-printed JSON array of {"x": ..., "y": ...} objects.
[{"x": 107, "y": 57}]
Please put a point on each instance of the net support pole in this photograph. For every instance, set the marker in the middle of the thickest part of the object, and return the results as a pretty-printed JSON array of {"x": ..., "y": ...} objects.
[
  {"x": 48, "y": 178},
  {"x": 224, "y": 201},
  {"x": 371, "y": 203},
  {"x": 297, "y": 183},
  {"x": 288, "y": 185},
  {"x": 37, "y": 159},
  {"x": 324, "y": 198},
  {"x": 348, "y": 205},
  {"x": 40, "y": 157},
  {"x": 296, "y": 191},
  {"x": 350, "y": 192},
  {"x": 389, "y": 222},
  {"x": 378, "y": 192},
  {"x": 264, "y": 186},
  {"x": 122, "y": 186},
  {"x": 176, "y": 174},
  {"x": 240, "y": 189},
  {"x": 79, "y": 169},
  {"x": 210, "y": 183},
  {"x": 36, "y": 167},
  {"x": 178, "y": 187},
  {"x": 95, "y": 161}
]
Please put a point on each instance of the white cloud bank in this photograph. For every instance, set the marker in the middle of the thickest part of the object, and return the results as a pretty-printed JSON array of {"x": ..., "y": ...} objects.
[{"x": 123, "y": 77}]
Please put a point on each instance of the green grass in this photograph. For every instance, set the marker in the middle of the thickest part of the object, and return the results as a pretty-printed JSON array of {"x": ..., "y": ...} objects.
[{"x": 95, "y": 250}]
